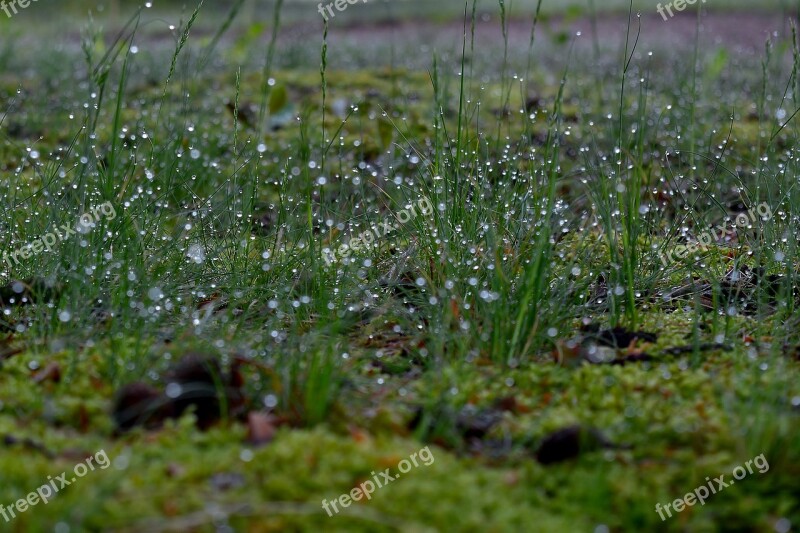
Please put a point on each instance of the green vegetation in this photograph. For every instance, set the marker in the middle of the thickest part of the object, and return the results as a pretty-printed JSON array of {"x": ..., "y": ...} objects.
[{"x": 237, "y": 151}]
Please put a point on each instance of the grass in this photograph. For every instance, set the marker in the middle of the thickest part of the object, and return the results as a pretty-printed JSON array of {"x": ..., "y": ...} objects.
[{"x": 558, "y": 168}]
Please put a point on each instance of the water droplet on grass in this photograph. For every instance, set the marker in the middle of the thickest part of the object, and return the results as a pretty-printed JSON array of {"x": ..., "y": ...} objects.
[
  {"x": 155, "y": 294},
  {"x": 196, "y": 253}
]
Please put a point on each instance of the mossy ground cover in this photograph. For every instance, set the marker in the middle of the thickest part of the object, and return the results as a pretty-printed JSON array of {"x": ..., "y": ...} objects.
[{"x": 531, "y": 299}]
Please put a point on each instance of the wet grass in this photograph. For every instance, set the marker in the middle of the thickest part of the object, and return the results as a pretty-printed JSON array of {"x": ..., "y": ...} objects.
[{"x": 558, "y": 169}]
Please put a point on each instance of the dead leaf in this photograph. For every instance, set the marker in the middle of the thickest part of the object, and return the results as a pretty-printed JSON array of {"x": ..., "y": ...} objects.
[
  {"x": 260, "y": 428},
  {"x": 569, "y": 442},
  {"x": 83, "y": 419},
  {"x": 51, "y": 372},
  {"x": 174, "y": 470},
  {"x": 358, "y": 434}
]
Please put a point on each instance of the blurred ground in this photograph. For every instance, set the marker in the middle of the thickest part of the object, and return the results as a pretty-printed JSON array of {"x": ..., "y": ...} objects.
[{"x": 684, "y": 421}]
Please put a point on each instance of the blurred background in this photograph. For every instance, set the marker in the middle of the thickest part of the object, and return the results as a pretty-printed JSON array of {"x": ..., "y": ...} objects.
[{"x": 380, "y": 10}]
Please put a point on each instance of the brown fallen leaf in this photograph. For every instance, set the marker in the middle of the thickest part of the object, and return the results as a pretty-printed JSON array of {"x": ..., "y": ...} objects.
[
  {"x": 51, "y": 372},
  {"x": 620, "y": 337},
  {"x": 567, "y": 352},
  {"x": 358, "y": 434},
  {"x": 511, "y": 404},
  {"x": 260, "y": 428},
  {"x": 171, "y": 508},
  {"x": 196, "y": 382},
  {"x": 139, "y": 404},
  {"x": 174, "y": 470},
  {"x": 83, "y": 419},
  {"x": 30, "y": 444},
  {"x": 569, "y": 442},
  {"x": 454, "y": 309},
  {"x": 8, "y": 353}
]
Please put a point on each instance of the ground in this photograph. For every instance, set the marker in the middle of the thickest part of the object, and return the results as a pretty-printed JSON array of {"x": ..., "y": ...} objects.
[{"x": 520, "y": 342}]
